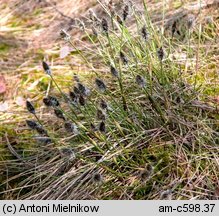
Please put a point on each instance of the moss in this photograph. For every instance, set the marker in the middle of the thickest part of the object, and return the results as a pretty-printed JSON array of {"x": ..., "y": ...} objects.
[
  {"x": 142, "y": 191},
  {"x": 4, "y": 47},
  {"x": 37, "y": 12}
]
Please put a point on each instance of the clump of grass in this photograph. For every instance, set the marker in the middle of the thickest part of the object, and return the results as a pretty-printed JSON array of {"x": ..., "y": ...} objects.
[{"x": 155, "y": 124}]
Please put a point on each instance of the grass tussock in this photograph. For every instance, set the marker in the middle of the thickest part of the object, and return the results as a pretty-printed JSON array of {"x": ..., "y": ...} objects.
[{"x": 139, "y": 125}]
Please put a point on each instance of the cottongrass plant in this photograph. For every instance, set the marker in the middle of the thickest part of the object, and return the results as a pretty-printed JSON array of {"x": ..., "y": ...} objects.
[{"x": 144, "y": 135}]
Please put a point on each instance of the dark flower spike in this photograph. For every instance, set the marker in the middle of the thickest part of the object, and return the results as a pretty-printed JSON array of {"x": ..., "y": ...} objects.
[
  {"x": 73, "y": 96},
  {"x": 160, "y": 53},
  {"x": 140, "y": 81},
  {"x": 119, "y": 20},
  {"x": 146, "y": 173},
  {"x": 51, "y": 101},
  {"x": 43, "y": 140},
  {"x": 82, "y": 101},
  {"x": 125, "y": 12},
  {"x": 64, "y": 35},
  {"x": 144, "y": 33},
  {"x": 71, "y": 128},
  {"x": 173, "y": 29},
  {"x": 76, "y": 78},
  {"x": 191, "y": 21},
  {"x": 59, "y": 114},
  {"x": 103, "y": 104},
  {"x": 101, "y": 115},
  {"x": 36, "y": 126},
  {"x": 30, "y": 107},
  {"x": 93, "y": 127},
  {"x": 76, "y": 90},
  {"x": 102, "y": 127},
  {"x": 209, "y": 20},
  {"x": 67, "y": 152},
  {"x": 104, "y": 25},
  {"x": 166, "y": 195},
  {"x": 32, "y": 124},
  {"x": 41, "y": 130},
  {"x": 47, "y": 102},
  {"x": 98, "y": 158},
  {"x": 100, "y": 85},
  {"x": 83, "y": 89},
  {"x": 54, "y": 101},
  {"x": 95, "y": 33},
  {"x": 123, "y": 58},
  {"x": 114, "y": 72},
  {"x": 46, "y": 68},
  {"x": 97, "y": 177}
]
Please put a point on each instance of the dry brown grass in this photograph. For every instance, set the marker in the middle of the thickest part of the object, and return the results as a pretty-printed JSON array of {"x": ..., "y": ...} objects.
[{"x": 31, "y": 33}]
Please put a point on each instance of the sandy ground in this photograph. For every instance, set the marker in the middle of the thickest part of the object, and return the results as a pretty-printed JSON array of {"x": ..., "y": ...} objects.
[{"x": 29, "y": 32}]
